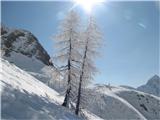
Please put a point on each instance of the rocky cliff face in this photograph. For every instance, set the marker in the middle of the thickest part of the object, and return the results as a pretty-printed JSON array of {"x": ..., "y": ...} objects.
[
  {"x": 152, "y": 86},
  {"x": 24, "y": 42}
]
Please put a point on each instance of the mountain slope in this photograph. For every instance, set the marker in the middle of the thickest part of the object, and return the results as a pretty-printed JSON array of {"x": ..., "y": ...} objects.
[
  {"x": 24, "y": 97},
  {"x": 24, "y": 42},
  {"x": 22, "y": 48},
  {"x": 152, "y": 86},
  {"x": 122, "y": 103},
  {"x": 147, "y": 105}
]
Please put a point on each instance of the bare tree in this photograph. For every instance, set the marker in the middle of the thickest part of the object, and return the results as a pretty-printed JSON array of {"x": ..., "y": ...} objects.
[
  {"x": 66, "y": 43},
  {"x": 91, "y": 41}
]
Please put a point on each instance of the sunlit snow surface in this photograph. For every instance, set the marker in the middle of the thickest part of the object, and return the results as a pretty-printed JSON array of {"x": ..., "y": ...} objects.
[
  {"x": 25, "y": 97},
  {"x": 36, "y": 68}
]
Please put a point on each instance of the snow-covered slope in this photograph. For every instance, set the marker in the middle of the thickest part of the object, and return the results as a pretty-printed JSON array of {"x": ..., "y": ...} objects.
[
  {"x": 22, "y": 48},
  {"x": 148, "y": 105},
  {"x": 127, "y": 87},
  {"x": 152, "y": 86},
  {"x": 47, "y": 74},
  {"x": 24, "y": 97},
  {"x": 123, "y": 103}
]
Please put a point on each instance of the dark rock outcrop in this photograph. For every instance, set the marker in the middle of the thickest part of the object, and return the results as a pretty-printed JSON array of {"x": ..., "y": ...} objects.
[{"x": 24, "y": 42}]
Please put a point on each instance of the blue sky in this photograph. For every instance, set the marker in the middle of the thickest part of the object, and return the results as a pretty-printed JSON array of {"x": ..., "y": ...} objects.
[{"x": 129, "y": 55}]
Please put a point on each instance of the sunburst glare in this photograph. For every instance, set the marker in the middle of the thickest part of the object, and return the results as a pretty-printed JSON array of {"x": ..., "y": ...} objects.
[{"x": 88, "y": 4}]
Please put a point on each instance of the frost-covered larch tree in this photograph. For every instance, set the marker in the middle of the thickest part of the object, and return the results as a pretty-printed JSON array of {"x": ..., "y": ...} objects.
[
  {"x": 67, "y": 45},
  {"x": 91, "y": 40}
]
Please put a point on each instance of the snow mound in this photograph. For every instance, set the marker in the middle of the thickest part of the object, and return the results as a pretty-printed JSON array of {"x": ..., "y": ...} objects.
[{"x": 25, "y": 97}]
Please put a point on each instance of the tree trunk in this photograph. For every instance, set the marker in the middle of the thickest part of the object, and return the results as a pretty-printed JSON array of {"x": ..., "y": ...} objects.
[
  {"x": 79, "y": 96},
  {"x": 80, "y": 82},
  {"x": 67, "y": 96},
  {"x": 66, "y": 100}
]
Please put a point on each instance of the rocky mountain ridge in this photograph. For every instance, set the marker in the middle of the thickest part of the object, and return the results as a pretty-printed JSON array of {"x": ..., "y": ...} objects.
[{"x": 24, "y": 42}]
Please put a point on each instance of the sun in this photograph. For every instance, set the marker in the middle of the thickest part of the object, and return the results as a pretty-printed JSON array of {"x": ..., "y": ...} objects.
[{"x": 88, "y": 4}]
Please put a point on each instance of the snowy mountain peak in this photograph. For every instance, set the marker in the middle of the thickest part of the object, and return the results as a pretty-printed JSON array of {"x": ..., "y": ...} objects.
[
  {"x": 155, "y": 80},
  {"x": 152, "y": 86},
  {"x": 23, "y": 42}
]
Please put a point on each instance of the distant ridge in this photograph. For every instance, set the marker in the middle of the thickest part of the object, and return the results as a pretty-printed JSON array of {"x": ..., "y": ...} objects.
[{"x": 152, "y": 86}]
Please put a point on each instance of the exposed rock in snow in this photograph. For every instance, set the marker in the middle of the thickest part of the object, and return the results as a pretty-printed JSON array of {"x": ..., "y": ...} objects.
[
  {"x": 152, "y": 86},
  {"x": 24, "y": 42}
]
